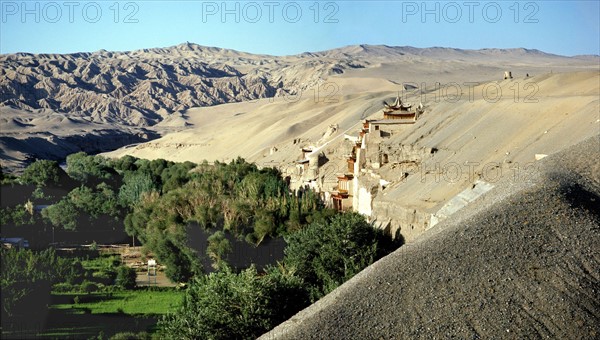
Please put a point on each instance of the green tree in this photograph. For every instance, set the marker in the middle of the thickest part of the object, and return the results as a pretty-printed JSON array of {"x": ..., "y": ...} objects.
[
  {"x": 38, "y": 193},
  {"x": 83, "y": 198},
  {"x": 125, "y": 163},
  {"x": 218, "y": 248},
  {"x": 176, "y": 175},
  {"x": 180, "y": 263},
  {"x": 236, "y": 197},
  {"x": 226, "y": 305},
  {"x": 97, "y": 202},
  {"x": 82, "y": 167},
  {"x": 26, "y": 278},
  {"x": 264, "y": 225},
  {"x": 62, "y": 214},
  {"x": 5, "y": 216},
  {"x": 134, "y": 185},
  {"x": 328, "y": 253},
  {"x": 41, "y": 173},
  {"x": 126, "y": 277},
  {"x": 18, "y": 215},
  {"x": 109, "y": 202}
]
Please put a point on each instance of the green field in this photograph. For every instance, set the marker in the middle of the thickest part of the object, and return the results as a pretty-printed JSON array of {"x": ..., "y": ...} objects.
[
  {"x": 97, "y": 313},
  {"x": 133, "y": 302},
  {"x": 103, "y": 262}
]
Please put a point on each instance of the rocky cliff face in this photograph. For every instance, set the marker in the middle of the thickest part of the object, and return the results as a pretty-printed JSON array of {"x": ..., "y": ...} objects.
[
  {"x": 141, "y": 88},
  {"x": 115, "y": 97},
  {"x": 132, "y": 89}
]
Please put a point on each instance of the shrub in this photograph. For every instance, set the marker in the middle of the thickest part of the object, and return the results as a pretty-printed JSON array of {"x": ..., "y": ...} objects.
[
  {"x": 126, "y": 277},
  {"x": 88, "y": 287},
  {"x": 105, "y": 275},
  {"x": 63, "y": 287}
]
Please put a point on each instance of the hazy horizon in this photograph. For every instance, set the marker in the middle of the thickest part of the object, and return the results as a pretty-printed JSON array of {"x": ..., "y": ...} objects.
[
  {"x": 313, "y": 51},
  {"x": 567, "y": 28}
]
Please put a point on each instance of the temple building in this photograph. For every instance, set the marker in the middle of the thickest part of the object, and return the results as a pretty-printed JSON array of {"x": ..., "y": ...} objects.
[
  {"x": 342, "y": 198},
  {"x": 400, "y": 111}
]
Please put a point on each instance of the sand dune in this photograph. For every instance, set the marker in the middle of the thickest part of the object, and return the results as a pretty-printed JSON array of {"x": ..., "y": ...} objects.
[
  {"x": 249, "y": 129},
  {"x": 507, "y": 133}
]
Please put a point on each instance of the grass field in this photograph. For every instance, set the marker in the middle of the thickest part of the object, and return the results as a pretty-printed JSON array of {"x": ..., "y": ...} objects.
[
  {"x": 133, "y": 302},
  {"x": 60, "y": 324},
  {"x": 106, "y": 312}
]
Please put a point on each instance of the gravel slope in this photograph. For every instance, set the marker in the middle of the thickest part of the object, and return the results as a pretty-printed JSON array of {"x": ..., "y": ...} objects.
[{"x": 523, "y": 261}]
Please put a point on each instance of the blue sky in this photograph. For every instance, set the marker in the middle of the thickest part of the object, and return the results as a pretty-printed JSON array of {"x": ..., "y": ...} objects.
[{"x": 290, "y": 27}]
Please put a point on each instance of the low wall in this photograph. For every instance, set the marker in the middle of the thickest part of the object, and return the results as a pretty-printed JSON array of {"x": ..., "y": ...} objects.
[{"x": 398, "y": 220}]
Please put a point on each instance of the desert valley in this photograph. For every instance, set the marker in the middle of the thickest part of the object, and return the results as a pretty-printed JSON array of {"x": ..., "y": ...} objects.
[{"x": 482, "y": 163}]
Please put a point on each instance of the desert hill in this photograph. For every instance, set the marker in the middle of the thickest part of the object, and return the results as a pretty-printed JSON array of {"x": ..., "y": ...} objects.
[
  {"x": 142, "y": 87},
  {"x": 134, "y": 88},
  {"x": 520, "y": 262},
  {"x": 151, "y": 92}
]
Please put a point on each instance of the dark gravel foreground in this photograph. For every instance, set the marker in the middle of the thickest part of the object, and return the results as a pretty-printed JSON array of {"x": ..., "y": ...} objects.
[{"x": 522, "y": 262}]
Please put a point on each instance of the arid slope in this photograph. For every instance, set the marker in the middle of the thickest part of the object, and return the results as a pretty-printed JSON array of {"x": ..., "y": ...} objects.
[
  {"x": 154, "y": 92},
  {"x": 521, "y": 262}
]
